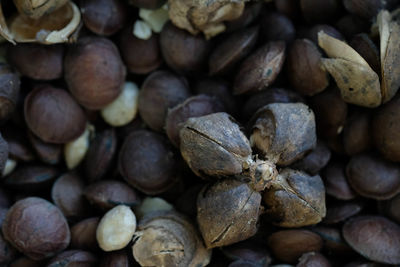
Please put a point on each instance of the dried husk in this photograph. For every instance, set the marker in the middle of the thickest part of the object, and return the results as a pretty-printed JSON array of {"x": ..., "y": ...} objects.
[
  {"x": 227, "y": 212},
  {"x": 214, "y": 146},
  {"x": 168, "y": 239},
  {"x": 295, "y": 199},
  {"x": 389, "y": 31},
  {"x": 204, "y": 15},
  {"x": 35, "y": 9},
  {"x": 56, "y": 27},
  {"x": 357, "y": 81},
  {"x": 284, "y": 132}
]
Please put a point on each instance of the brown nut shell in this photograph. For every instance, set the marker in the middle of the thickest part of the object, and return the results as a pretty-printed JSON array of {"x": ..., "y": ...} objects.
[
  {"x": 53, "y": 115},
  {"x": 94, "y": 72},
  {"x": 36, "y": 9},
  {"x": 36, "y": 227}
]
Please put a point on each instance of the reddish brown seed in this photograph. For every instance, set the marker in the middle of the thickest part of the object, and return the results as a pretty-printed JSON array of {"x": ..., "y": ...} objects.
[
  {"x": 36, "y": 227},
  {"x": 367, "y": 9},
  {"x": 182, "y": 51},
  {"x": 109, "y": 193},
  {"x": 374, "y": 237},
  {"x": 94, "y": 72},
  {"x": 336, "y": 182},
  {"x": 67, "y": 194},
  {"x": 357, "y": 133},
  {"x": 104, "y": 17},
  {"x": 53, "y": 115},
  {"x": 160, "y": 91},
  {"x": 115, "y": 259},
  {"x": 36, "y": 61},
  {"x": 83, "y": 234},
  {"x": 313, "y": 259},
  {"x": 277, "y": 27},
  {"x": 140, "y": 56},
  {"x": 340, "y": 213},
  {"x": 289, "y": 245},
  {"x": 47, "y": 153}
]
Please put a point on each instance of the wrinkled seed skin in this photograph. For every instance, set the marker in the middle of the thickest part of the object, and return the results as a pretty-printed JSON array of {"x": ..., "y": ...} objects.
[
  {"x": 374, "y": 237},
  {"x": 36, "y": 228}
]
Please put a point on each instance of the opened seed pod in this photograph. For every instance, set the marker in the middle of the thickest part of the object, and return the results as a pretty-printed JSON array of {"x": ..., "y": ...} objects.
[
  {"x": 204, "y": 15},
  {"x": 51, "y": 28},
  {"x": 284, "y": 132},
  {"x": 214, "y": 146},
  {"x": 357, "y": 81},
  {"x": 168, "y": 239},
  {"x": 36, "y": 9},
  {"x": 295, "y": 199},
  {"x": 227, "y": 212}
]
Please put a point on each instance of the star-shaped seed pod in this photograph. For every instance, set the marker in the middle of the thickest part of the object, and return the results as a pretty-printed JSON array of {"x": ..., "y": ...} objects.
[
  {"x": 168, "y": 239},
  {"x": 214, "y": 146},
  {"x": 295, "y": 199},
  {"x": 204, "y": 15},
  {"x": 227, "y": 212}
]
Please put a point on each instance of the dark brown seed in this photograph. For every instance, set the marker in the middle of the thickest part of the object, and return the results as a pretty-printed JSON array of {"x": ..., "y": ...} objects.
[
  {"x": 330, "y": 112},
  {"x": 367, "y": 49},
  {"x": 103, "y": 17},
  {"x": 295, "y": 199},
  {"x": 33, "y": 178},
  {"x": 333, "y": 241},
  {"x": 251, "y": 12},
  {"x": 232, "y": 50},
  {"x": 277, "y": 27},
  {"x": 47, "y": 153},
  {"x": 313, "y": 259},
  {"x": 53, "y": 115},
  {"x": 367, "y": 9},
  {"x": 36, "y": 61},
  {"x": 100, "y": 155},
  {"x": 340, "y": 213},
  {"x": 94, "y": 72},
  {"x": 140, "y": 56},
  {"x": 304, "y": 68},
  {"x": 284, "y": 132},
  {"x": 18, "y": 147},
  {"x": 319, "y": 11},
  {"x": 28, "y": 224},
  {"x": 219, "y": 89},
  {"x": 160, "y": 91},
  {"x": 109, "y": 193},
  {"x": 9, "y": 91},
  {"x": 67, "y": 195},
  {"x": 26, "y": 262},
  {"x": 73, "y": 258},
  {"x": 115, "y": 259},
  {"x": 314, "y": 161},
  {"x": 148, "y": 4},
  {"x": 83, "y": 234},
  {"x": 194, "y": 106},
  {"x": 289, "y": 245},
  {"x": 260, "y": 69},
  {"x": 312, "y": 33},
  {"x": 147, "y": 162},
  {"x": 248, "y": 251},
  {"x": 374, "y": 237},
  {"x": 336, "y": 182},
  {"x": 373, "y": 177},
  {"x": 227, "y": 212},
  {"x": 269, "y": 96},
  {"x": 4, "y": 199},
  {"x": 7, "y": 252},
  {"x": 182, "y": 51},
  {"x": 357, "y": 134},
  {"x": 350, "y": 25},
  {"x": 290, "y": 8},
  {"x": 391, "y": 208},
  {"x": 386, "y": 129}
]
